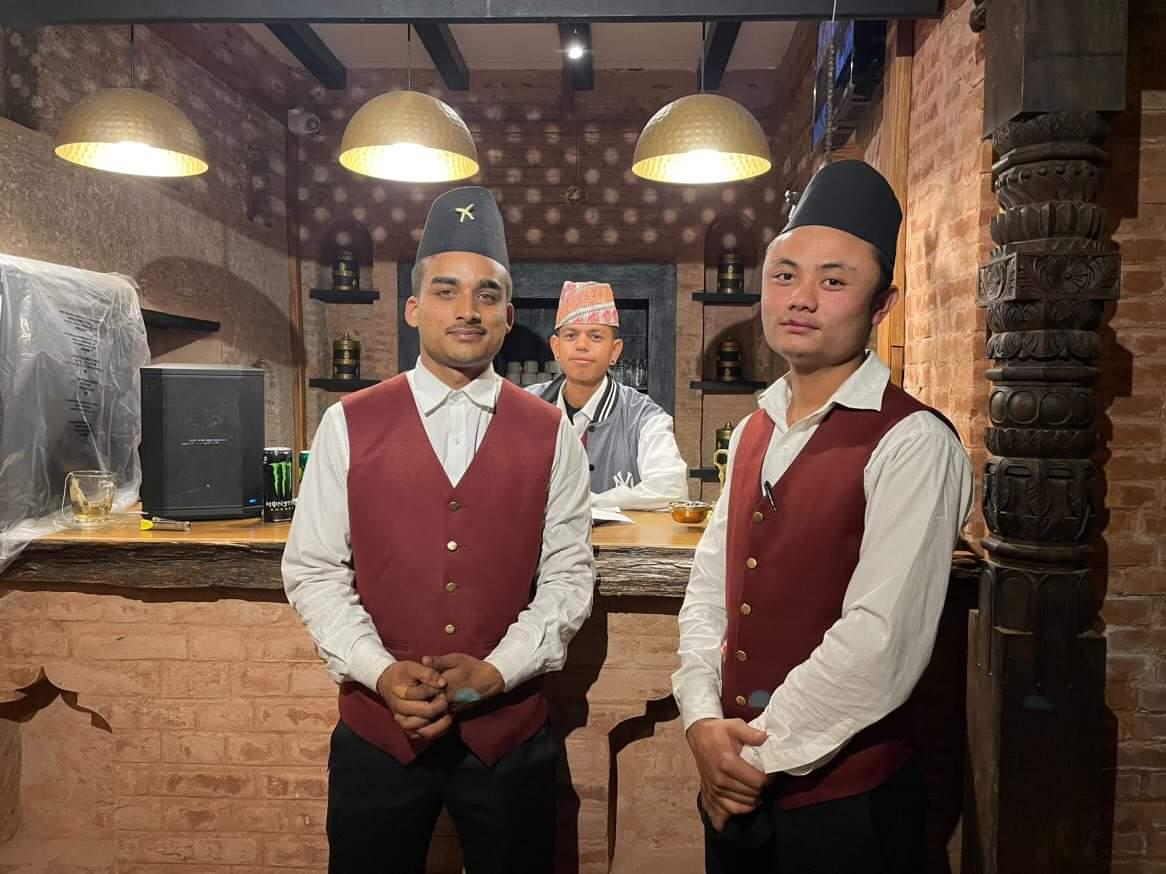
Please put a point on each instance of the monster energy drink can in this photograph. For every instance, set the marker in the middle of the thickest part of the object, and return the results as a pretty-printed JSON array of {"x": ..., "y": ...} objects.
[
  {"x": 303, "y": 463},
  {"x": 277, "y": 484}
]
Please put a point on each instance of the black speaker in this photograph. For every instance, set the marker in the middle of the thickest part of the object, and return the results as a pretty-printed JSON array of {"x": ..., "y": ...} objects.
[{"x": 202, "y": 441}]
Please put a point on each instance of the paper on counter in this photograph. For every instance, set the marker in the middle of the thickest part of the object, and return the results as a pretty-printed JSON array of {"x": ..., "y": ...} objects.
[{"x": 610, "y": 514}]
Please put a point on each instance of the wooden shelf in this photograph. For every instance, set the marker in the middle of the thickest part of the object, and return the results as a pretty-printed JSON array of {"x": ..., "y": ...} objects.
[
  {"x": 704, "y": 474},
  {"x": 714, "y": 387},
  {"x": 342, "y": 385},
  {"x": 327, "y": 295},
  {"x": 172, "y": 322},
  {"x": 726, "y": 300}
]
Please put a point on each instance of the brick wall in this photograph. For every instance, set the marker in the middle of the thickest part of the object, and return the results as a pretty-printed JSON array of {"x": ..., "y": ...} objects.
[
  {"x": 191, "y": 244},
  {"x": 159, "y": 732},
  {"x": 1133, "y": 399},
  {"x": 949, "y": 202}
]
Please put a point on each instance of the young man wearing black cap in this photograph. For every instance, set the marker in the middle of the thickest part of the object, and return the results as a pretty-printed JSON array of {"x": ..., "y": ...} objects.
[
  {"x": 817, "y": 588},
  {"x": 432, "y": 502}
]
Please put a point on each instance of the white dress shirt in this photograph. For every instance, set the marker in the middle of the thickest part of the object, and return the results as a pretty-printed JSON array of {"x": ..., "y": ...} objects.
[
  {"x": 663, "y": 472},
  {"x": 918, "y": 486},
  {"x": 317, "y": 563}
]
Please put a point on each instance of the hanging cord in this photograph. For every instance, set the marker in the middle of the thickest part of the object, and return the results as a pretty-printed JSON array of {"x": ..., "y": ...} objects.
[
  {"x": 133, "y": 69},
  {"x": 831, "y": 59},
  {"x": 409, "y": 55},
  {"x": 700, "y": 58}
]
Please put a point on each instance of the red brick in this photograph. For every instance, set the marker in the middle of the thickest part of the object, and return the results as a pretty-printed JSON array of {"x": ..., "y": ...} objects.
[
  {"x": 1133, "y": 495},
  {"x": 138, "y": 814},
  {"x": 304, "y": 715},
  {"x": 118, "y": 609},
  {"x": 308, "y": 749},
  {"x": 104, "y": 677},
  {"x": 193, "y": 747},
  {"x": 195, "y": 679},
  {"x": 1153, "y": 698},
  {"x": 305, "y": 817},
  {"x": 312, "y": 681},
  {"x": 131, "y": 780},
  {"x": 1137, "y": 581},
  {"x": 1136, "y": 640},
  {"x": 1129, "y": 844},
  {"x": 1121, "y": 667},
  {"x": 297, "y": 852},
  {"x": 281, "y": 645},
  {"x": 35, "y": 639},
  {"x": 254, "y": 817},
  {"x": 260, "y": 680},
  {"x": 224, "y": 850},
  {"x": 75, "y": 606},
  {"x": 137, "y": 642},
  {"x": 151, "y": 713},
  {"x": 226, "y": 715},
  {"x": 255, "y": 749},
  {"x": 218, "y": 645},
  {"x": 1129, "y": 610},
  {"x": 196, "y": 814},
  {"x": 22, "y": 606},
  {"x": 202, "y": 782},
  {"x": 295, "y": 783},
  {"x": 174, "y": 868},
  {"x": 137, "y": 746}
]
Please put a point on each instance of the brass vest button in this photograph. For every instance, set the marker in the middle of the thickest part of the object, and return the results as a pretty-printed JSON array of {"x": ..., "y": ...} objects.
[
  {"x": 454, "y": 506},
  {"x": 758, "y": 516},
  {"x": 741, "y": 655},
  {"x": 449, "y": 629},
  {"x": 749, "y": 562},
  {"x": 451, "y": 587},
  {"x": 746, "y": 609},
  {"x": 452, "y": 546},
  {"x": 740, "y": 699}
]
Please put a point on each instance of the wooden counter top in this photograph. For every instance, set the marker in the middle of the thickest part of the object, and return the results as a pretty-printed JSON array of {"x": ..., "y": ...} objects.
[{"x": 651, "y": 557}]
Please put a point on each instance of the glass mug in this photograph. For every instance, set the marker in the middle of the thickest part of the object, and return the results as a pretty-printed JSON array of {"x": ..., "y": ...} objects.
[{"x": 89, "y": 495}]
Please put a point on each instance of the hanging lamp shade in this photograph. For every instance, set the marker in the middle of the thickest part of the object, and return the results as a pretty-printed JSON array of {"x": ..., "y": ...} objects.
[
  {"x": 701, "y": 139},
  {"x": 127, "y": 130},
  {"x": 409, "y": 137}
]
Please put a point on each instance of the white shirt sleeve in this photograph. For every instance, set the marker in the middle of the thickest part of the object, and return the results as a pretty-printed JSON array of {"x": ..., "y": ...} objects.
[
  {"x": 697, "y": 683},
  {"x": 663, "y": 473},
  {"x": 317, "y": 563},
  {"x": 918, "y": 486},
  {"x": 537, "y": 640}
]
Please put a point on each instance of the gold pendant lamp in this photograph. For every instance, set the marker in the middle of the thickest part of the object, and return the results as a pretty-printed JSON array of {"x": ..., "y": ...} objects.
[
  {"x": 701, "y": 139},
  {"x": 127, "y": 130},
  {"x": 406, "y": 136}
]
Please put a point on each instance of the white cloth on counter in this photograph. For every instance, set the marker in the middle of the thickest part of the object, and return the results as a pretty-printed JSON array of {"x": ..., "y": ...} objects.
[
  {"x": 918, "y": 486},
  {"x": 317, "y": 562}
]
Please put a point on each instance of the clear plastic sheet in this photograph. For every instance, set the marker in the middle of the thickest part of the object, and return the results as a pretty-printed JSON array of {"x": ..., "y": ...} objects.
[{"x": 71, "y": 346}]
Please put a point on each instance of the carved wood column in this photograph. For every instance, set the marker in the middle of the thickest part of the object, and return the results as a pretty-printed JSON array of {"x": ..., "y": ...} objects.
[{"x": 1036, "y": 673}]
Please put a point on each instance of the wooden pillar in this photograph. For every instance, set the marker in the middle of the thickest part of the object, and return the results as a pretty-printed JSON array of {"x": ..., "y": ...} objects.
[{"x": 1036, "y": 672}]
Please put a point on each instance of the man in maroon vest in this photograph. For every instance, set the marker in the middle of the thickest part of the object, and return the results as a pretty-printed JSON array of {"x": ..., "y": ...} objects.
[
  {"x": 816, "y": 591},
  {"x": 441, "y": 558}
]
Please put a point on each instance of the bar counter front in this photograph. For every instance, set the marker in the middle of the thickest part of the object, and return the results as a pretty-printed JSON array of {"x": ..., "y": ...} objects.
[{"x": 162, "y": 708}]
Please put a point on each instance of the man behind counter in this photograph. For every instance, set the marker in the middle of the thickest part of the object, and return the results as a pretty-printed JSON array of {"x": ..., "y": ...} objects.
[{"x": 635, "y": 463}]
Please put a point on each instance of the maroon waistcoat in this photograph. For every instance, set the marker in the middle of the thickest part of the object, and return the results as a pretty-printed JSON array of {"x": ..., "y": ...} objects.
[
  {"x": 443, "y": 568},
  {"x": 786, "y": 576}
]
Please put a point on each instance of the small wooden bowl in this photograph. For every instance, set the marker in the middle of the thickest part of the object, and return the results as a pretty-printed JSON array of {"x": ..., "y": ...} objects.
[{"x": 689, "y": 512}]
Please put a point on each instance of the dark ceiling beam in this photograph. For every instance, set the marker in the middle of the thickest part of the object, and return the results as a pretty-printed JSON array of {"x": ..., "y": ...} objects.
[
  {"x": 29, "y": 13},
  {"x": 444, "y": 53},
  {"x": 718, "y": 47},
  {"x": 581, "y": 71},
  {"x": 312, "y": 52}
]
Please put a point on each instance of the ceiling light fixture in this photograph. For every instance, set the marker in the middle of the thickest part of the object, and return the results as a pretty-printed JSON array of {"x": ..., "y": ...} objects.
[
  {"x": 127, "y": 130},
  {"x": 701, "y": 139},
  {"x": 407, "y": 136}
]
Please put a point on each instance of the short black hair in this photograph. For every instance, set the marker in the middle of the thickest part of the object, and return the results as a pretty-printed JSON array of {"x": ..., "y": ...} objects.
[{"x": 886, "y": 273}]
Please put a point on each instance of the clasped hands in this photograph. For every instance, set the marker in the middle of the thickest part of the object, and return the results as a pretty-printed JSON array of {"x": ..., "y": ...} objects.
[
  {"x": 424, "y": 696},
  {"x": 729, "y": 785}
]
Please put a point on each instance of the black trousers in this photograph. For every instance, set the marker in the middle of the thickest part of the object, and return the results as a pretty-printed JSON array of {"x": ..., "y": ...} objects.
[
  {"x": 381, "y": 813},
  {"x": 883, "y": 831}
]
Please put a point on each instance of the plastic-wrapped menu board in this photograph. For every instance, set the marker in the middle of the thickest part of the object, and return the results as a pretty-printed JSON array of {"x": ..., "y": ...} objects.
[{"x": 71, "y": 345}]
